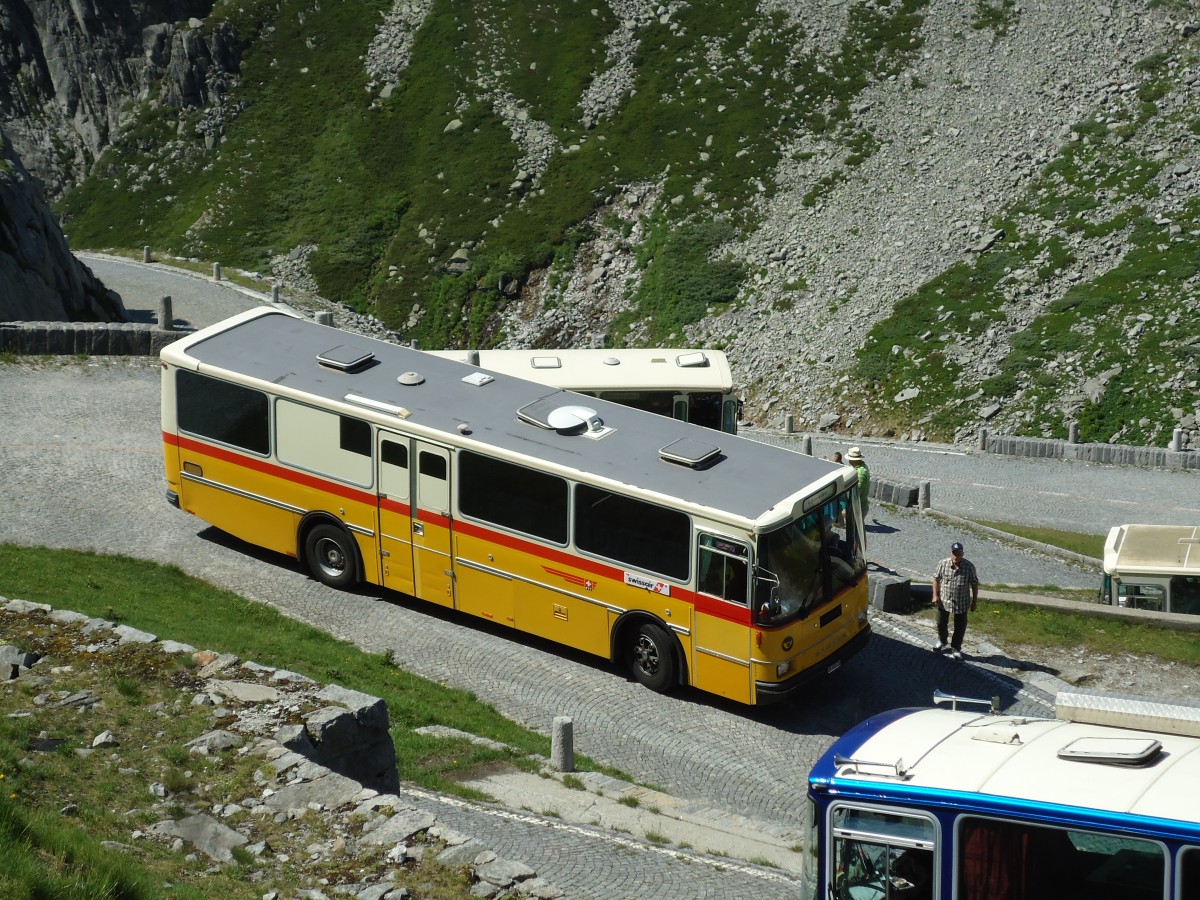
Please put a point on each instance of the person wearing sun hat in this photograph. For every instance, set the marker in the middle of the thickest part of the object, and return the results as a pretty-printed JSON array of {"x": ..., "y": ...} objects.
[
  {"x": 855, "y": 458},
  {"x": 955, "y": 590}
]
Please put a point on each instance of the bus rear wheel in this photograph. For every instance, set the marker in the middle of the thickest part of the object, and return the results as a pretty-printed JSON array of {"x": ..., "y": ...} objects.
[
  {"x": 329, "y": 552},
  {"x": 651, "y": 657}
]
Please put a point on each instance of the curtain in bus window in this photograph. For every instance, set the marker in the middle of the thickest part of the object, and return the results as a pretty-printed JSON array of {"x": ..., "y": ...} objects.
[{"x": 993, "y": 862}]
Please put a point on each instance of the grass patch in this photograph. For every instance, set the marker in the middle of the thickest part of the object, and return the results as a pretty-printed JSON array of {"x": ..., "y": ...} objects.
[
  {"x": 163, "y": 600},
  {"x": 58, "y": 806},
  {"x": 1009, "y": 624},
  {"x": 1077, "y": 542}
]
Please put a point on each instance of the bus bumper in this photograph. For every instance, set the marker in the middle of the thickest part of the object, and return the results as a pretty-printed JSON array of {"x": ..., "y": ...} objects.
[
  {"x": 173, "y": 498},
  {"x": 768, "y": 692}
]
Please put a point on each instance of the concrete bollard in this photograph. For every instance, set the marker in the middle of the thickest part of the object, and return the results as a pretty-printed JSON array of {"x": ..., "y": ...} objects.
[
  {"x": 1177, "y": 440},
  {"x": 146, "y": 254},
  {"x": 166, "y": 321},
  {"x": 807, "y": 448},
  {"x": 274, "y": 293},
  {"x": 216, "y": 271},
  {"x": 788, "y": 424},
  {"x": 923, "y": 496},
  {"x": 562, "y": 744},
  {"x": 323, "y": 318},
  {"x": 1073, "y": 433},
  {"x": 983, "y": 436}
]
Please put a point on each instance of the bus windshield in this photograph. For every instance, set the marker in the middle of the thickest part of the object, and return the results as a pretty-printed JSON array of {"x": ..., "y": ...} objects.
[{"x": 810, "y": 560}]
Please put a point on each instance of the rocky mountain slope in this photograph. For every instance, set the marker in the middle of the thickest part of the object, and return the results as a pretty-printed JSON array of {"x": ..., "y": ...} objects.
[
  {"x": 40, "y": 280},
  {"x": 909, "y": 217}
]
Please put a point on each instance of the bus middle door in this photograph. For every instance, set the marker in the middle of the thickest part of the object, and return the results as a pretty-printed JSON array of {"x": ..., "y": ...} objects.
[
  {"x": 433, "y": 568},
  {"x": 395, "y": 513}
]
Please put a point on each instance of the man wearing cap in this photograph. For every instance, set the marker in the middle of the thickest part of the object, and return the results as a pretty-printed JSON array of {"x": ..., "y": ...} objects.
[
  {"x": 955, "y": 590},
  {"x": 855, "y": 458}
]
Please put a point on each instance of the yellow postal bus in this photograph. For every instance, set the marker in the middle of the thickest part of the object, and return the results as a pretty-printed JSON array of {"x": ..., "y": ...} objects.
[
  {"x": 690, "y": 556},
  {"x": 690, "y": 385}
]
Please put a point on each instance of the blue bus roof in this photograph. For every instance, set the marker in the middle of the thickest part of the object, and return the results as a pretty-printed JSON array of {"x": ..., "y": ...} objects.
[{"x": 1016, "y": 765}]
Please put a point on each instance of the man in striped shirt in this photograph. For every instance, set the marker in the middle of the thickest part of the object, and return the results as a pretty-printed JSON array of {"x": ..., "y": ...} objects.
[{"x": 955, "y": 590}]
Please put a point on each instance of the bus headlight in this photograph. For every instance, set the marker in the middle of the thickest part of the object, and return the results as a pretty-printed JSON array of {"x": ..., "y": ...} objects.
[{"x": 782, "y": 669}]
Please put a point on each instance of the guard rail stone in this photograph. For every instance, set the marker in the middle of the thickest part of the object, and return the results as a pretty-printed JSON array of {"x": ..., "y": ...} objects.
[{"x": 85, "y": 338}]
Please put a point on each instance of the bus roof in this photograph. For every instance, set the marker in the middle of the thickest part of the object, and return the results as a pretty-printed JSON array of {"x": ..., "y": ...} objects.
[
  {"x": 1153, "y": 549},
  {"x": 439, "y": 399},
  {"x": 608, "y": 370},
  {"x": 988, "y": 761}
]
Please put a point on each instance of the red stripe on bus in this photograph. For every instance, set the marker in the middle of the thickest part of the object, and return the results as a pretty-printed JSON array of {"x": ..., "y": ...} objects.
[
  {"x": 432, "y": 518},
  {"x": 395, "y": 506},
  {"x": 276, "y": 471},
  {"x": 709, "y": 606}
]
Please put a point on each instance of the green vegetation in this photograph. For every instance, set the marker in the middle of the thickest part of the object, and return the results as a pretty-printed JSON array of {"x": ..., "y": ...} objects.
[
  {"x": 1013, "y": 624},
  {"x": 57, "y": 805},
  {"x": 999, "y": 17},
  {"x": 163, "y": 600},
  {"x": 1088, "y": 544},
  {"x": 388, "y": 179},
  {"x": 1114, "y": 352}
]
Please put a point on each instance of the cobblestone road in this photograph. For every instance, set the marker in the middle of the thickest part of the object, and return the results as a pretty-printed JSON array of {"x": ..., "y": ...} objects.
[{"x": 79, "y": 442}]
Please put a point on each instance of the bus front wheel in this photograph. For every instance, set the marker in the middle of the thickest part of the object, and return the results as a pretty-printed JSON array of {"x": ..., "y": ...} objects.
[
  {"x": 651, "y": 657},
  {"x": 329, "y": 552}
]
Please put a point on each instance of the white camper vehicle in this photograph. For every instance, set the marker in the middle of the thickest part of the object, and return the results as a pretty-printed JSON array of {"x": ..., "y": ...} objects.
[
  {"x": 690, "y": 385},
  {"x": 1154, "y": 567}
]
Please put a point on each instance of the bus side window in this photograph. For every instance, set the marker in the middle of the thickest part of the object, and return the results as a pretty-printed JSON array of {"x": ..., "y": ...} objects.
[
  {"x": 1185, "y": 594},
  {"x": 1189, "y": 873},
  {"x": 723, "y": 576},
  {"x": 1142, "y": 596}
]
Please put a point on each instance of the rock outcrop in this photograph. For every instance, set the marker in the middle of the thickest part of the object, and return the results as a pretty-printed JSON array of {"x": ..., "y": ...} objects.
[
  {"x": 73, "y": 69},
  {"x": 325, "y": 764},
  {"x": 39, "y": 278}
]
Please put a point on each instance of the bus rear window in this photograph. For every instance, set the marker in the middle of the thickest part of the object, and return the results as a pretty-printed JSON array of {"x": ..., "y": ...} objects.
[{"x": 221, "y": 411}]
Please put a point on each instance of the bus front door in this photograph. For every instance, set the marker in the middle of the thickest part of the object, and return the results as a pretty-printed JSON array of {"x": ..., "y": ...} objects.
[
  {"x": 395, "y": 513},
  {"x": 433, "y": 569}
]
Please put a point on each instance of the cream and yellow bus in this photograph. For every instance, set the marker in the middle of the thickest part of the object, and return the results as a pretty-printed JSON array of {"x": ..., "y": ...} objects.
[
  {"x": 692, "y": 557},
  {"x": 690, "y": 385}
]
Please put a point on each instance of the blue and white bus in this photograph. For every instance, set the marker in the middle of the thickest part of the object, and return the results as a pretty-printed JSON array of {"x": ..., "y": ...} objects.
[{"x": 1101, "y": 802}]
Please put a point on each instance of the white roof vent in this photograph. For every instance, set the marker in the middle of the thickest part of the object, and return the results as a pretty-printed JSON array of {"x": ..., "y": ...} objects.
[
  {"x": 345, "y": 358},
  {"x": 692, "y": 360},
  {"x": 693, "y": 454}
]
